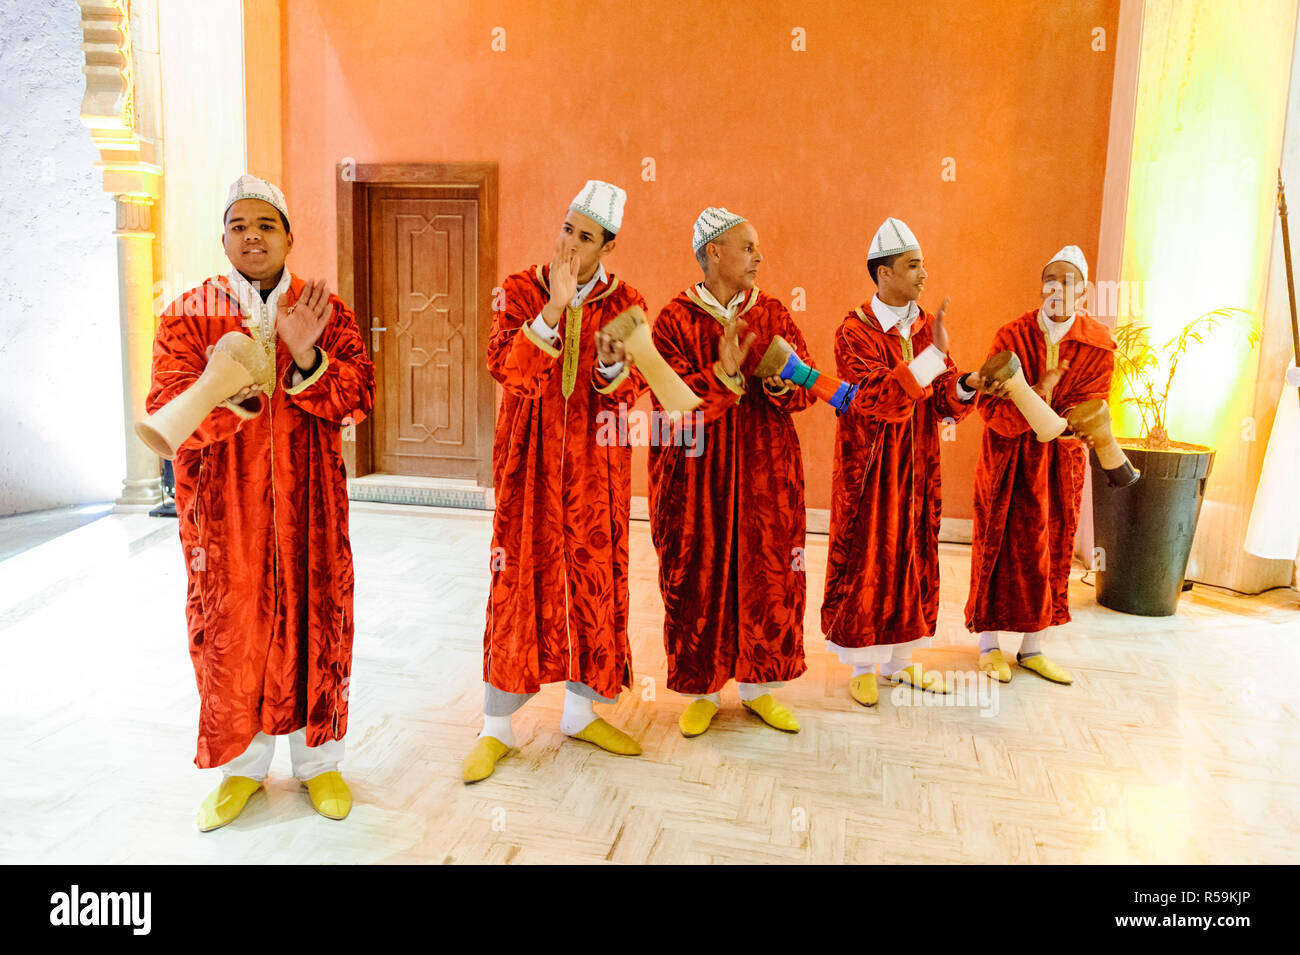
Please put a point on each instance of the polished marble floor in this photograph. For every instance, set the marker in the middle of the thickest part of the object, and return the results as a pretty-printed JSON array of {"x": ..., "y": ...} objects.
[{"x": 1177, "y": 742}]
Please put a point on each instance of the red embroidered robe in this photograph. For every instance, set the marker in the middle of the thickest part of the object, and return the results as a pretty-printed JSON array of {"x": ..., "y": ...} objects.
[
  {"x": 558, "y": 605},
  {"x": 1027, "y": 492},
  {"x": 263, "y": 507},
  {"x": 728, "y": 522},
  {"x": 882, "y": 569}
]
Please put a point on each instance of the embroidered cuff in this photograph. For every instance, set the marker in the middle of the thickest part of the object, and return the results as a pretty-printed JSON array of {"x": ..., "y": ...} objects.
[
  {"x": 907, "y": 381},
  {"x": 242, "y": 410},
  {"x": 544, "y": 331},
  {"x": 927, "y": 366},
  {"x": 615, "y": 382},
  {"x": 322, "y": 362},
  {"x": 542, "y": 343},
  {"x": 735, "y": 383}
]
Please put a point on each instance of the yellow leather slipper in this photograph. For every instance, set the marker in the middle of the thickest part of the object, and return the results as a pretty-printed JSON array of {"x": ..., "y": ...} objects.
[
  {"x": 224, "y": 804},
  {"x": 330, "y": 795},
  {"x": 695, "y": 719},
  {"x": 1045, "y": 668},
  {"x": 483, "y": 759},
  {"x": 612, "y": 740},
  {"x": 864, "y": 689},
  {"x": 995, "y": 665},
  {"x": 772, "y": 713},
  {"x": 914, "y": 675}
]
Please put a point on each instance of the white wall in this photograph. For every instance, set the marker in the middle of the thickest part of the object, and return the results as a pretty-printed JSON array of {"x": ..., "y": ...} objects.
[
  {"x": 61, "y": 421},
  {"x": 202, "y": 51}
]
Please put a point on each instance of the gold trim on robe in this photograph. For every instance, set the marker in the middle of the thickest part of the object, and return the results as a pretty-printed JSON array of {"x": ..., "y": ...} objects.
[
  {"x": 315, "y": 375},
  {"x": 715, "y": 312},
  {"x": 539, "y": 341}
]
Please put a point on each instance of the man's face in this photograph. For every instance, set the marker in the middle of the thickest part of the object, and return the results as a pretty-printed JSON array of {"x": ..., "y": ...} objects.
[
  {"x": 584, "y": 236},
  {"x": 255, "y": 241},
  {"x": 906, "y": 277},
  {"x": 738, "y": 256},
  {"x": 1063, "y": 290}
]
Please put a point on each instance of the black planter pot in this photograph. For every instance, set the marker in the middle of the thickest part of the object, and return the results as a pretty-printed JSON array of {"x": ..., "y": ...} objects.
[{"x": 1145, "y": 531}]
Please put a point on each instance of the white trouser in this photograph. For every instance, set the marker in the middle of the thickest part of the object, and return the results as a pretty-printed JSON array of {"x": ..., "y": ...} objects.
[
  {"x": 878, "y": 653},
  {"x": 308, "y": 761}
]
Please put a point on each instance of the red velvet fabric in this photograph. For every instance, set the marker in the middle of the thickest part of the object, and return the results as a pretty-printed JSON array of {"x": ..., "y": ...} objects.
[
  {"x": 728, "y": 523},
  {"x": 263, "y": 510},
  {"x": 1027, "y": 493},
  {"x": 558, "y": 604},
  {"x": 882, "y": 571}
]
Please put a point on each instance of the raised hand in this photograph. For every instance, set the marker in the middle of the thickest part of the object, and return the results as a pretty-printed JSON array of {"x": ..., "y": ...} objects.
[
  {"x": 1047, "y": 384},
  {"x": 941, "y": 333},
  {"x": 732, "y": 349},
  {"x": 300, "y": 326},
  {"x": 564, "y": 283}
]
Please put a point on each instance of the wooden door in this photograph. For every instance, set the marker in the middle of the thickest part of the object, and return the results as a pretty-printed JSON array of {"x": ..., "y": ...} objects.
[{"x": 423, "y": 279}]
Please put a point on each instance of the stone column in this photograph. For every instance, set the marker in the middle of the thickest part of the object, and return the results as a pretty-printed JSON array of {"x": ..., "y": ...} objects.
[
  {"x": 122, "y": 109},
  {"x": 141, "y": 488}
]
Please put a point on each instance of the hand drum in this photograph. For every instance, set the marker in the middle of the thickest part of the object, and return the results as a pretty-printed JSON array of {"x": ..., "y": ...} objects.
[
  {"x": 237, "y": 362},
  {"x": 781, "y": 359},
  {"x": 1005, "y": 367},
  {"x": 1093, "y": 419},
  {"x": 631, "y": 329}
]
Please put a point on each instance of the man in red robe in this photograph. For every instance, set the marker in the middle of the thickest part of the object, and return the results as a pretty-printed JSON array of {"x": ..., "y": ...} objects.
[
  {"x": 558, "y": 606},
  {"x": 1027, "y": 492},
  {"x": 882, "y": 568},
  {"x": 263, "y": 508},
  {"x": 727, "y": 519}
]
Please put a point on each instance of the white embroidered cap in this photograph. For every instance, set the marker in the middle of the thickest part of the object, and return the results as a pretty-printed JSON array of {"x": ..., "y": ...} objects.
[
  {"x": 712, "y": 222},
  {"x": 602, "y": 203},
  {"x": 1074, "y": 256},
  {"x": 891, "y": 238},
  {"x": 250, "y": 187}
]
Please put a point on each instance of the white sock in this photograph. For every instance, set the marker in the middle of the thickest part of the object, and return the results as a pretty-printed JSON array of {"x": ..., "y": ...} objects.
[
  {"x": 1031, "y": 645},
  {"x": 901, "y": 657},
  {"x": 989, "y": 641},
  {"x": 749, "y": 692},
  {"x": 578, "y": 714},
  {"x": 714, "y": 698},
  {"x": 864, "y": 668},
  {"x": 498, "y": 727}
]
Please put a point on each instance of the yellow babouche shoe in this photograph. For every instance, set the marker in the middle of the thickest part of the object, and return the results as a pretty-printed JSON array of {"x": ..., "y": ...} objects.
[
  {"x": 224, "y": 804},
  {"x": 995, "y": 665},
  {"x": 612, "y": 740},
  {"x": 930, "y": 681},
  {"x": 772, "y": 713},
  {"x": 1045, "y": 668},
  {"x": 863, "y": 688},
  {"x": 330, "y": 795},
  {"x": 695, "y": 719},
  {"x": 483, "y": 759}
]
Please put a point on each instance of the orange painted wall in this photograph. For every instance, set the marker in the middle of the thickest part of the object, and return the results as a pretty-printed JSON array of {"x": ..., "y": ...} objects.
[{"x": 814, "y": 147}]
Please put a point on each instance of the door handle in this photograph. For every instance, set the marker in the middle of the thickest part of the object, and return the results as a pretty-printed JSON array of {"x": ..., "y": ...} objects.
[{"x": 375, "y": 329}]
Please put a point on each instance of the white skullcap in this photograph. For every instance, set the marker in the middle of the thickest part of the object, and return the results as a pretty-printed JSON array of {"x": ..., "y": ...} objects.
[
  {"x": 602, "y": 203},
  {"x": 712, "y": 222},
  {"x": 891, "y": 238},
  {"x": 250, "y": 187},
  {"x": 1074, "y": 256}
]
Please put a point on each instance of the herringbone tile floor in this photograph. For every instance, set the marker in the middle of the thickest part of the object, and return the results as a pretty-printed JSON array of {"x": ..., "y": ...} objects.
[{"x": 1176, "y": 743}]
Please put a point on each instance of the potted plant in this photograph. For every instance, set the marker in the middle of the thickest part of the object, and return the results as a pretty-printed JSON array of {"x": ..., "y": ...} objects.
[{"x": 1144, "y": 532}]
